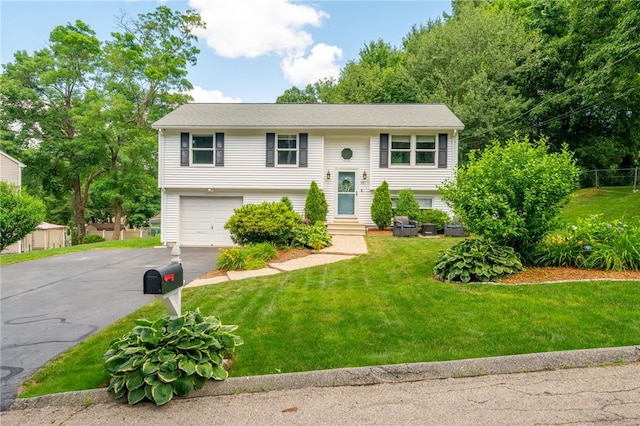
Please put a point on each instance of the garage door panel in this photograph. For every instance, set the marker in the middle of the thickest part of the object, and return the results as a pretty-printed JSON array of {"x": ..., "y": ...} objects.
[{"x": 203, "y": 218}]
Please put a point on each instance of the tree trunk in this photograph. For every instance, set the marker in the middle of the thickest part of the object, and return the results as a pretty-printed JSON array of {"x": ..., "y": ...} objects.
[
  {"x": 117, "y": 207},
  {"x": 78, "y": 209}
]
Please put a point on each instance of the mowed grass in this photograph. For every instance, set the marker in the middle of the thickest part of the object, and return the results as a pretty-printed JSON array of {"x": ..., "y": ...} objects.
[
  {"x": 376, "y": 309},
  {"x": 611, "y": 202},
  {"x": 8, "y": 259}
]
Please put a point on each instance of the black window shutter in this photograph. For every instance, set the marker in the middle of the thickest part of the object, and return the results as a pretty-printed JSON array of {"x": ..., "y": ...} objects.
[
  {"x": 384, "y": 150},
  {"x": 303, "y": 139},
  {"x": 184, "y": 149},
  {"x": 442, "y": 150},
  {"x": 219, "y": 149},
  {"x": 271, "y": 149}
]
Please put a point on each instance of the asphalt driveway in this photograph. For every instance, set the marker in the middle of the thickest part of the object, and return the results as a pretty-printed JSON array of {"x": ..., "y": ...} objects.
[{"x": 50, "y": 305}]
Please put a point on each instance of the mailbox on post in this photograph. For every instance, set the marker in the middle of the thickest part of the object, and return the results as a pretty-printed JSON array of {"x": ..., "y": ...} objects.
[{"x": 164, "y": 279}]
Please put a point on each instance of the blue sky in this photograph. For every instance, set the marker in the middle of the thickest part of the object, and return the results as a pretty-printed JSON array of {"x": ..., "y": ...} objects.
[{"x": 252, "y": 50}]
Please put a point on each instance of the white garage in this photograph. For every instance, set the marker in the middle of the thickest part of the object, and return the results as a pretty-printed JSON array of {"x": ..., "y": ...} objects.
[{"x": 202, "y": 220}]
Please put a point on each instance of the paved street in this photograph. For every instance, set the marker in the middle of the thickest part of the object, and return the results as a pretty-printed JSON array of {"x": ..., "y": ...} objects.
[
  {"x": 50, "y": 305},
  {"x": 579, "y": 396}
]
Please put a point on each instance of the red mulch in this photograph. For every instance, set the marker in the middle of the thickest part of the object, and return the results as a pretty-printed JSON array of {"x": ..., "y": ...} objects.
[{"x": 538, "y": 275}]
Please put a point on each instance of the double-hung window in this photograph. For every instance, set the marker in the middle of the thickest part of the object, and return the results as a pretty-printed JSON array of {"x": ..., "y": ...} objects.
[
  {"x": 413, "y": 150},
  {"x": 287, "y": 148},
  {"x": 426, "y": 149},
  {"x": 401, "y": 150},
  {"x": 202, "y": 149}
]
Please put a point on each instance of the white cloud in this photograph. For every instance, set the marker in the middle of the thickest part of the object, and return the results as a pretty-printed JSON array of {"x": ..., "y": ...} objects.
[
  {"x": 251, "y": 28},
  {"x": 201, "y": 95},
  {"x": 320, "y": 64}
]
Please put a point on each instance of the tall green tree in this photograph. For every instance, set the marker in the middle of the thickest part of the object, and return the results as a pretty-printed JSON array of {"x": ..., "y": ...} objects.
[
  {"x": 473, "y": 62},
  {"x": 42, "y": 97},
  {"x": 586, "y": 89},
  {"x": 20, "y": 214},
  {"x": 146, "y": 68}
]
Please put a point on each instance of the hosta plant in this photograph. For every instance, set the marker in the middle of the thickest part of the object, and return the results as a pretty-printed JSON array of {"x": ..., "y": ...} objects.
[
  {"x": 159, "y": 359},
  {"x": 476, "y": 260}
]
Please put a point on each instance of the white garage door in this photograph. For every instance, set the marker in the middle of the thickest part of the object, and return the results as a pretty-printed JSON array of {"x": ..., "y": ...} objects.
[{"x": 202, "y": 220}]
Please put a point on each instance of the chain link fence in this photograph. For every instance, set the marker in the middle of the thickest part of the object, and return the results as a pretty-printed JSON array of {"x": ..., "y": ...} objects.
[{"x": 611, "y": 177}]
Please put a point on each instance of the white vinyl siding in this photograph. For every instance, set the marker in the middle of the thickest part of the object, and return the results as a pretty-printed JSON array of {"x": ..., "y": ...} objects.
[
  {"x": 415, "y": 178},
  {"x": 244, "y": 166}
]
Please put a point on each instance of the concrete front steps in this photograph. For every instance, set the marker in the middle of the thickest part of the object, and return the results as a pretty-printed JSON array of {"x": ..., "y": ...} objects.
[{"x": 346, "y": 227}]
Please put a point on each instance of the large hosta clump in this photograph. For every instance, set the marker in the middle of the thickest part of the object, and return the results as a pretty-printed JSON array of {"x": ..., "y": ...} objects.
[{"x": 159, "y": 359}]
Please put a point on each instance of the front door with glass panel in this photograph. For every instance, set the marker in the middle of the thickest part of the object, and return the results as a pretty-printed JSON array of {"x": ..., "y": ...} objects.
[{"x": 347, "y": 193}]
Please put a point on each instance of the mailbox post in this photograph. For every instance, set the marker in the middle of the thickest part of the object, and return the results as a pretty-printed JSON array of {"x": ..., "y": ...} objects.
[{"x": 166, "y": 282}]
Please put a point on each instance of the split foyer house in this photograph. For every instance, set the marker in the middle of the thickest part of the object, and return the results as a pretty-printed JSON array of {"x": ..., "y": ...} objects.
[{"x": 214, "y": 158}]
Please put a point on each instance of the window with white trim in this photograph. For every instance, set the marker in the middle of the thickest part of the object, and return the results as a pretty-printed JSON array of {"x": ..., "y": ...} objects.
[
  {"x": 426, "y": 149},
  {"x": 412, "y": 150},
  {"x": 202, "y": 149},
  {"x": 401, "y": 149},
  {"x": 287, "y": 150}
]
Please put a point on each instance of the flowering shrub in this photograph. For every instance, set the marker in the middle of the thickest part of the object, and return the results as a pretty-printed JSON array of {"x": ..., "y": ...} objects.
[{"x": 592, "y": 244}]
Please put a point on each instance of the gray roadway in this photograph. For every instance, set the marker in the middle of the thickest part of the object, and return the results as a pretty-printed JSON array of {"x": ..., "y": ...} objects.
[{"x": 49, "y": 305}]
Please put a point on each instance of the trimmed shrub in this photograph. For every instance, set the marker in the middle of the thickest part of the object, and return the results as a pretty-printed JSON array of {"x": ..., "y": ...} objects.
[
  {"x": 315, "y": 205},
  {"x": 159, "y": 359},
  {"x": 92, "y": 238},
  {"x": 407, "y": 205},
  {"x": 438, "y": 217},
  {"x": 271, "y": 222},
  {"x": 475, "y": 260},
  {"x": 313, "y": 236},
  {"x": 381, "y": 206},
  {"x": 511, "y": 193}
]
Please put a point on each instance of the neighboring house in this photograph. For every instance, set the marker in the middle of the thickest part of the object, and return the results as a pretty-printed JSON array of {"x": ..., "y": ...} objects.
[
  {"x": 214, "y": 158},
  {"x": 11, "y": 172}
]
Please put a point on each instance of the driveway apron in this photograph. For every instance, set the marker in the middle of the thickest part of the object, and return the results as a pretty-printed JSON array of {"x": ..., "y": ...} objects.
[{"x": 50, "y": 305}]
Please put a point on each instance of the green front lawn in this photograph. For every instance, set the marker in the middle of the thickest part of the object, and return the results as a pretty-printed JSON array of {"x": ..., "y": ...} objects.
[
  {"x": 380, "y": 308},
  {"x": 8, "y": 259}
]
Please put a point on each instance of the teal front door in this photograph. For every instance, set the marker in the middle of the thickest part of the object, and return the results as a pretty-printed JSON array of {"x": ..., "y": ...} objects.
[{"x": 347, "y": 193}]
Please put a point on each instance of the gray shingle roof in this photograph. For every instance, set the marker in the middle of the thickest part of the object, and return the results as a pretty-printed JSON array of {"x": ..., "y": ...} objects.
[{"x": 265, "y": 116}]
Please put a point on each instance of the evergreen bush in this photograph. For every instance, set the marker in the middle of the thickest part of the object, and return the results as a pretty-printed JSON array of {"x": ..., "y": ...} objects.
[
  {"x": 315, "y": 206},
  {"x": 381, "y": 207}
]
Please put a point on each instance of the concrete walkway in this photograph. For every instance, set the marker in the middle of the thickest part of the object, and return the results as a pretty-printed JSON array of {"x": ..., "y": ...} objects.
[{"x": 343, "y": 248}]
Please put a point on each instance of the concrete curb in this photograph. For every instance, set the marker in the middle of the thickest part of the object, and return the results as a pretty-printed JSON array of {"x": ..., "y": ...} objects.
[{"x": 361, "y": 376}]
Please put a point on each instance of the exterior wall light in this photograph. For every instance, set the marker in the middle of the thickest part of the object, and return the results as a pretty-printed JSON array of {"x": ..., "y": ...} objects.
[
  {"x": 364, "y": 175},
  {"x": 328, "y": 175}
]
